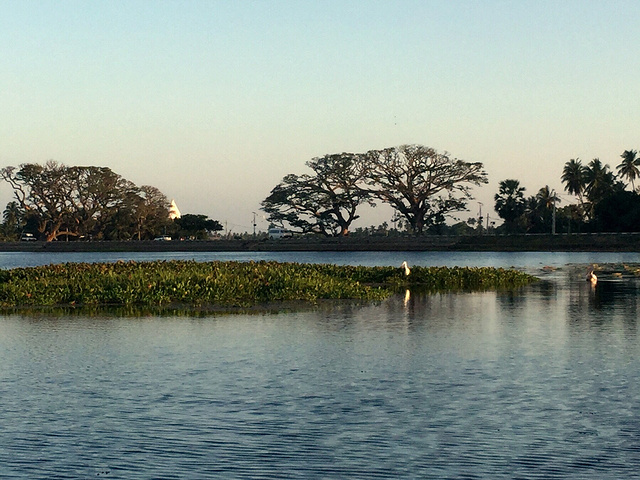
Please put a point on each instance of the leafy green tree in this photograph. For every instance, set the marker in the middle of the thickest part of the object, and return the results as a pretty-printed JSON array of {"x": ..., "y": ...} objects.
[
  {"x": 422, "y": 185},
  {"x": 510, "y": 203},
  {"x": 198, "y": 226},
  {"x": 628, "y": 168},
  {"x": 618, "y": 212},
  {"x": 324, "y": 202},
  {"x": 151, "y": 213},
  {"x": 98, "y": 194},
  {"x": 85, "y": 201},
  {"x": 43, "y": 190},
  {"x": 570, "y": 218}
]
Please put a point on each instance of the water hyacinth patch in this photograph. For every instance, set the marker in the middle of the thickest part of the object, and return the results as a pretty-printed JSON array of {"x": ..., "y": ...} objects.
[{"x": 228, "y": 283}]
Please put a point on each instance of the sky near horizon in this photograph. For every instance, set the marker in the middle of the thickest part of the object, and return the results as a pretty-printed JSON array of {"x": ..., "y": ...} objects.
[{"x": 213, "y": 102}]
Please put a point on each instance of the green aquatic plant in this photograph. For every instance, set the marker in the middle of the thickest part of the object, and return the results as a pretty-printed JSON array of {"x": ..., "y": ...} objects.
[{"x": 228, "y": 284}]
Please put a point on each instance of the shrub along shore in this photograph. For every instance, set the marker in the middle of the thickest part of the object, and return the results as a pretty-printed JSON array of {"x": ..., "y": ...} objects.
[{"x": 230, "y": 284}]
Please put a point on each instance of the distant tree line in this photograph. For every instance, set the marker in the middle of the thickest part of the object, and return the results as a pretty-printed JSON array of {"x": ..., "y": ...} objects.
[
  {"x": 606, "y": 202},
  {"x": 423, "y": 186},
  {"x": 54, "y": 201}
]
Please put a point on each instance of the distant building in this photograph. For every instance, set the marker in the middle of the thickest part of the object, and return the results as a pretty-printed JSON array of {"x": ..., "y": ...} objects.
[{"x": 174, "y": 212}]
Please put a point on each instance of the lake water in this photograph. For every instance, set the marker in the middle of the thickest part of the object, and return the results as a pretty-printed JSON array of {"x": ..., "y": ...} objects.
[{"x": 539, "y": 383}]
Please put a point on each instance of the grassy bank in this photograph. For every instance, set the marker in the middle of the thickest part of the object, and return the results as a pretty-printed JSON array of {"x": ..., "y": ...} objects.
[{"x": 228, "y": 284}]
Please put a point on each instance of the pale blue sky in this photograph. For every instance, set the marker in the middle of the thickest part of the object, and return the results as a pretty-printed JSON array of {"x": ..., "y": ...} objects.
[{"x": 214, "y": 102}]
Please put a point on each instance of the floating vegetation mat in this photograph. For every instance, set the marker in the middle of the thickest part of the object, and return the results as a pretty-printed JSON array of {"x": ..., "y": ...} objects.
[
  {"x": 630, "y": 271},
  {"x": 230, "y": 284}
]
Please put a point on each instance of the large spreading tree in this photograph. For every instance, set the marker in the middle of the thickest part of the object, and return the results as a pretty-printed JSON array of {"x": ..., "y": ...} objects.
[
  {"x": 421, "y": 184},
  {"x": 324, "y": 202},
  {"x": 84, "y": 201}
]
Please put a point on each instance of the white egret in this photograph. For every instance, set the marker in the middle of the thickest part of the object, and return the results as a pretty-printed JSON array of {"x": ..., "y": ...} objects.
[{"x": 407, "y": 270}]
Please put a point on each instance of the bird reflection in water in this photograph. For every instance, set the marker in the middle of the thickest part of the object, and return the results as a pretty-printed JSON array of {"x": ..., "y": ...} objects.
[{"x": 591, "y": 277}]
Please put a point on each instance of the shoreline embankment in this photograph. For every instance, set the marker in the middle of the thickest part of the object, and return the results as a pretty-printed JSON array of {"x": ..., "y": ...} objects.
[{"x": 615, "y": 242}]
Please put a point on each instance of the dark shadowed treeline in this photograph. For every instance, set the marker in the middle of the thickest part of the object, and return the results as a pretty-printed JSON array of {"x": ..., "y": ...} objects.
[{"x": 607, "y": 201}]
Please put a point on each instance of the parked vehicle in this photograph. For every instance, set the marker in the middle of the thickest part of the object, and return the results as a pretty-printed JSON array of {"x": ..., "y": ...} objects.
[
  {"x": 163, "y": 238},
  {"x": 28, "y": 237},
  {"x": 279, "y": 233}
]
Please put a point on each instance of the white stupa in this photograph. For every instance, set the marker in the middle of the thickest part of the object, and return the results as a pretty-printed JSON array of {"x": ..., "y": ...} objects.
[{"x": 174, "y": 212}]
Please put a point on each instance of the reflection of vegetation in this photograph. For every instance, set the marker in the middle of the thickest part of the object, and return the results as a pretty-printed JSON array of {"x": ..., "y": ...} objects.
[
  {"x": 183, "y": 310},
  {"x": 147, "y": 311},
  {"x": 227, "y": 284}
]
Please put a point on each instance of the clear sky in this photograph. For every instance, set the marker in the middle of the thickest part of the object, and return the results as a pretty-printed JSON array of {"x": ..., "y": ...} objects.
[{"x": 214, "y": 102}]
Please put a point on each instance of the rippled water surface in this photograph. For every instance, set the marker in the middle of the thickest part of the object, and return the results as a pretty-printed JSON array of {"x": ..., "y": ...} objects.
[{"x": 539, "y": 383}]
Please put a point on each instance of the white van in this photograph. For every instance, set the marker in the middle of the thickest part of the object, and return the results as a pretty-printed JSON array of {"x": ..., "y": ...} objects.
[{"x": 279, "y": 233}]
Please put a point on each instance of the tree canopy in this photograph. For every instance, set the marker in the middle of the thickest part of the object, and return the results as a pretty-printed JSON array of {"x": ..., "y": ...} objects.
[
  {"x": 197, "y": 226},
  {"x": 619, "y": 212},
  {"x": 421, "y": 184},
  {"x": 629, "y": 167},
  {"x": 95, "y": 202},
  {"x": 324, "y": 202},
  {"x": 510, "y": 203},
  {"x": 603, "y": 203}
]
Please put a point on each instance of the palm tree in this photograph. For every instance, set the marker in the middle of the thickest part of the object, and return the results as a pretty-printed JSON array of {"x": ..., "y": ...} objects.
[
  {"x": 539, "y": 210},
  {"x": 547, "y": 198},
  {"x": 12, "y": 214},
  {"x": 629, "y": 167},
  {"x": 13, "y": 217},
  {"x": 510, "y": 203},
  {"x": 601, "y": 182},
  {"x": 574, "y": 178}
]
